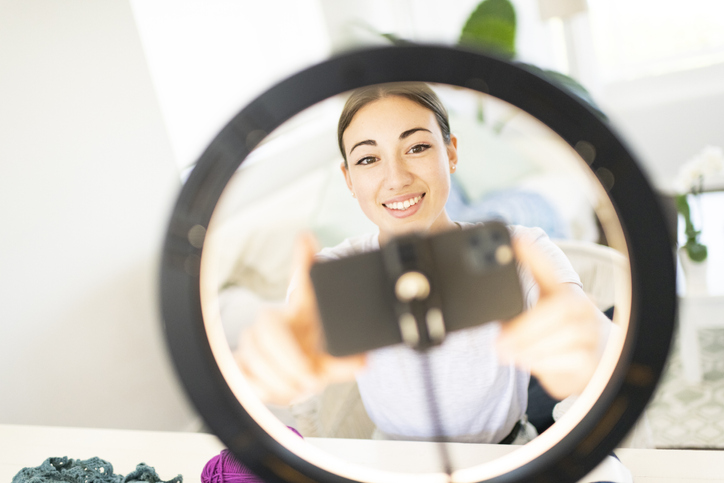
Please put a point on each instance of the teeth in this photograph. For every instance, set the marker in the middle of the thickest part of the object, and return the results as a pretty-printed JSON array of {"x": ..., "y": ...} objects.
[{"x": 403, "y": 205}]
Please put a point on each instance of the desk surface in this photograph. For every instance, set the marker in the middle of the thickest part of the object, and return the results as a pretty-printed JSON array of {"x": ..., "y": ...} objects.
[{"x": 187, "y": 453}]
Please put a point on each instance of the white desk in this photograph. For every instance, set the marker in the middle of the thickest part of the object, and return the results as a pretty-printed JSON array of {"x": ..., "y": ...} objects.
[{"x": 187, "y": 453}]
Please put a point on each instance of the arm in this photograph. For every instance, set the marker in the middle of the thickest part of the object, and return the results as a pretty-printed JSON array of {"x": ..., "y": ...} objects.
[
  {"x": 560, "y": 339},
  {"x": 281, "y": 355}
]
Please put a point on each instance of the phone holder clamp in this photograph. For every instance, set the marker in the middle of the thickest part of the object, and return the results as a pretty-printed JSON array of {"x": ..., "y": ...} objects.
[{"x": 409, "y": 266}]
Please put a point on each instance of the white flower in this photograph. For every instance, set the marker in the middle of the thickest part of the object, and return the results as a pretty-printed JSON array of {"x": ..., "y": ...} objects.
[
  {"x": 691, "y": 175},
  {"x": 711, "y": 160}
]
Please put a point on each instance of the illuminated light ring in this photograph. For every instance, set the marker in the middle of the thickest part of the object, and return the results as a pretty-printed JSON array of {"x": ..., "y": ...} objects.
[{"x": 653, "y": 303}]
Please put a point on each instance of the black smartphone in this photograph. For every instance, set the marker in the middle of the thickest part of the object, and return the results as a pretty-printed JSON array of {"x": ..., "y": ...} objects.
[{"x": 472, "y": 274}]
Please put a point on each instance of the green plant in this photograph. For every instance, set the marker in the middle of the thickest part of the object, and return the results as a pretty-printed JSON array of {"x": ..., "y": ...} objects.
[
  {"x": 690, "y": 181},
  {"x": 491, "y": 27},
  {"x": 696, "y": 251}
]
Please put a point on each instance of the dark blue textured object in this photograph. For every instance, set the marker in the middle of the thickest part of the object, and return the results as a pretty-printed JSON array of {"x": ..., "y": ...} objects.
[{"x": 92, "y": 470}]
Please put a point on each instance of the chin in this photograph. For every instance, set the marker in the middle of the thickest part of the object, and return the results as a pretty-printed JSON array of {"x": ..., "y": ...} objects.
[{"x": 407, "y": 228}]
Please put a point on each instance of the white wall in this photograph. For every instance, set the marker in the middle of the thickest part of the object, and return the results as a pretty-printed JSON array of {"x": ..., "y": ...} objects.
[
  {"x": 210, "y": 58},
  {"x": 87, "y": 180},
  {"x": 668, "y": 118}
]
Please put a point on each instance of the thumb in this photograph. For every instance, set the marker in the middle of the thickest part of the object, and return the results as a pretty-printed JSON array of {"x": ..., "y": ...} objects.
[
  {"x": 533, "y": 258},
  {"x": 302, "y": 296}
]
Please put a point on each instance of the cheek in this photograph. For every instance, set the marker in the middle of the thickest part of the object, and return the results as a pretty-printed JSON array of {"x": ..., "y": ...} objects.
[
  {"x": 364, "y": 188},
  {"x": 440, "y": 183},
  {"x": 438, "y": 174}
]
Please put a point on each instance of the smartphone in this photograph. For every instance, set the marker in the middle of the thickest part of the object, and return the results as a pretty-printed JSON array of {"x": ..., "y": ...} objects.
[{"x": 472, "y": 273}]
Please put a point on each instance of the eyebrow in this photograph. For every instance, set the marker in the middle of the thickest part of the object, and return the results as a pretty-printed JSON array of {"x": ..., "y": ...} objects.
[
  {"x": 368, "y": 142},
  {"x": 372, "y": 142},
  {"x": 413, "y": 131}
]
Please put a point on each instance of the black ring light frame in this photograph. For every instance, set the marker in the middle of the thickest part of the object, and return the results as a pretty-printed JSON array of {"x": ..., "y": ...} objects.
[{"x": 653, "y": 303}]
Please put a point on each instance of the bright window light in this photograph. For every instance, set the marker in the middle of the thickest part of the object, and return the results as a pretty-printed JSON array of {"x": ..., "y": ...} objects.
[{"x": 635, "y": 38}]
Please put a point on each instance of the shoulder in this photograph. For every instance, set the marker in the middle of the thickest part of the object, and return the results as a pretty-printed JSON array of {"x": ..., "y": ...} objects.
[
  {"x": 350, "y": 246},
  {"x": 562, "y": 269},
  {"x": 533, "y": 235},
  {"x": 517, "y": 232}
]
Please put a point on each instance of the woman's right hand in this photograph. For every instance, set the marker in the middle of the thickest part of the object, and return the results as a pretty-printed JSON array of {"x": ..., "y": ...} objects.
[{"x": 282, "y": 354}]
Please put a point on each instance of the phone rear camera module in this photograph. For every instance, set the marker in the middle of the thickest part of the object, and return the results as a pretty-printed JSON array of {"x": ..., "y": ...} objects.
[
  {"x": 480, "y": 257},
  {"x": 504, "y": 254}
]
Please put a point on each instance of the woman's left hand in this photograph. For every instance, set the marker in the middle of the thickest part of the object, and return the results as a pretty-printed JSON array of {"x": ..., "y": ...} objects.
[{"x": 560, "y": 339}]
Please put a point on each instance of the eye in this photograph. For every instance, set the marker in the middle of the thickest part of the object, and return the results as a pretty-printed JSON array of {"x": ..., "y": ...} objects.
[
  {"x": 418, "y": 148},
  {"x": 366, "y": 161}
]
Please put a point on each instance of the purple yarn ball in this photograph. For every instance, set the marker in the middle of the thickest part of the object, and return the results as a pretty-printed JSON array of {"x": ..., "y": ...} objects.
[{"x": 224, "y": 468}]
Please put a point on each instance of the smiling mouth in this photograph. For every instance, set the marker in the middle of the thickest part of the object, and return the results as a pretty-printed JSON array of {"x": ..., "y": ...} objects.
[{"x": 404, "y": 205}]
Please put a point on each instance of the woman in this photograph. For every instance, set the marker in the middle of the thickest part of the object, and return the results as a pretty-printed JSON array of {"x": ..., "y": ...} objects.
[{"x": 398, "y": 156}]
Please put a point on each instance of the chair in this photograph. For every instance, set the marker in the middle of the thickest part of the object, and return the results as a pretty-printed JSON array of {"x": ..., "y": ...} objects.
[
  {"x": 598, "y": 267},
  {"x": 604, "y": 274}
]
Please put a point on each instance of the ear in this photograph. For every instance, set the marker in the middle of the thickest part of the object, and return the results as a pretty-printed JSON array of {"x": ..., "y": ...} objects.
[
  {"x": 452, "y": 152},
  {"x": 347, "y": 179}
]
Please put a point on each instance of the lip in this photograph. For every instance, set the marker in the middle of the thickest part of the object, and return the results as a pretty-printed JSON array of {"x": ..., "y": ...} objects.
[{"x": 408, "y": 212}]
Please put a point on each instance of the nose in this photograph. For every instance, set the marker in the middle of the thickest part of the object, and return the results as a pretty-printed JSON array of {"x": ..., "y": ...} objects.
[{"x": 398, "y": 174}]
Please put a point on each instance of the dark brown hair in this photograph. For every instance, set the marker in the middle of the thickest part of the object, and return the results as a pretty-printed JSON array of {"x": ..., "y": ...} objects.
[{"x": 417, "y": 92}]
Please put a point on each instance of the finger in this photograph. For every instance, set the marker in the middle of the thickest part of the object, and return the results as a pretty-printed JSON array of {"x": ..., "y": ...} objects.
[
  {"x": 273, "y": 384},
  {"x": 302, "y": 298},
  {"x": 554, "y": 345},
  {"x": 257, "y": 389},
  {"x": 342, "y": 369},
  {"x": 530, "y": 326},
  {"x": 564, "y": 375},
  {"x": 568, "y": 310},
  {"x": 281, "y": 350},
  {"x": 264, "y": 379},
  {"x": 532, "y": 257},
  {"x": 527, "y": 327},
  {"x": 258, "y": 383}
]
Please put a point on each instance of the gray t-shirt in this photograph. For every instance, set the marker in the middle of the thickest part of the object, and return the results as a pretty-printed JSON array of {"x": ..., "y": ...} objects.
[{"x": 479, "y": 399}]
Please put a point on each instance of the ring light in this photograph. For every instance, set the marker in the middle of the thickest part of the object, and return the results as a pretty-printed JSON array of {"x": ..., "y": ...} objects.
[{"x": 653, "y": 296}]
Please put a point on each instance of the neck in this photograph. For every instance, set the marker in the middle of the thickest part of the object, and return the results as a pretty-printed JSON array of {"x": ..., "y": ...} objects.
[{"x": 442, "y": 223}]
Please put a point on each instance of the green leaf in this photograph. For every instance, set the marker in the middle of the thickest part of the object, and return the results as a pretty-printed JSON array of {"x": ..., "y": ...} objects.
[
  {"x": 396, "y": 40},
  {"x": 567, "y": 83},
  {"x": 682, "y": 206},
  {"x": 696, "y": 251},
  {"x": 491, "y": 27}
]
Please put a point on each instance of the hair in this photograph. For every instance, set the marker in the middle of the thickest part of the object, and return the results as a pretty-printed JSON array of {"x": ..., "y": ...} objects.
[{"x": 417, "y": 92}]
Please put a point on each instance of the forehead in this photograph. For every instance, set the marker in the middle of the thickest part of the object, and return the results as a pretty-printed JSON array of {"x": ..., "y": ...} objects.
[{"x": 389, "y": 117}]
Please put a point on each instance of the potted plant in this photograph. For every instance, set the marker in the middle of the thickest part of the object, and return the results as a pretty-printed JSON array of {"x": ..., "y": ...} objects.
[{"x": 689, "y": 185}]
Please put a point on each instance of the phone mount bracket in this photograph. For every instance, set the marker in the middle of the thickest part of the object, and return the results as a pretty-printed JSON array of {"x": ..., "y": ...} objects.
[{"x": 410, "y": 268}]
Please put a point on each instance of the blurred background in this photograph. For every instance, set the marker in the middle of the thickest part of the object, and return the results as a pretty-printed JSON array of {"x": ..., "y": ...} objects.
[{"x": 105, "y": 106}]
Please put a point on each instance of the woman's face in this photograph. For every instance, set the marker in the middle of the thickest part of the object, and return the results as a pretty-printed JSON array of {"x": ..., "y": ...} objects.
[{"x": 399, "y": 166}]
